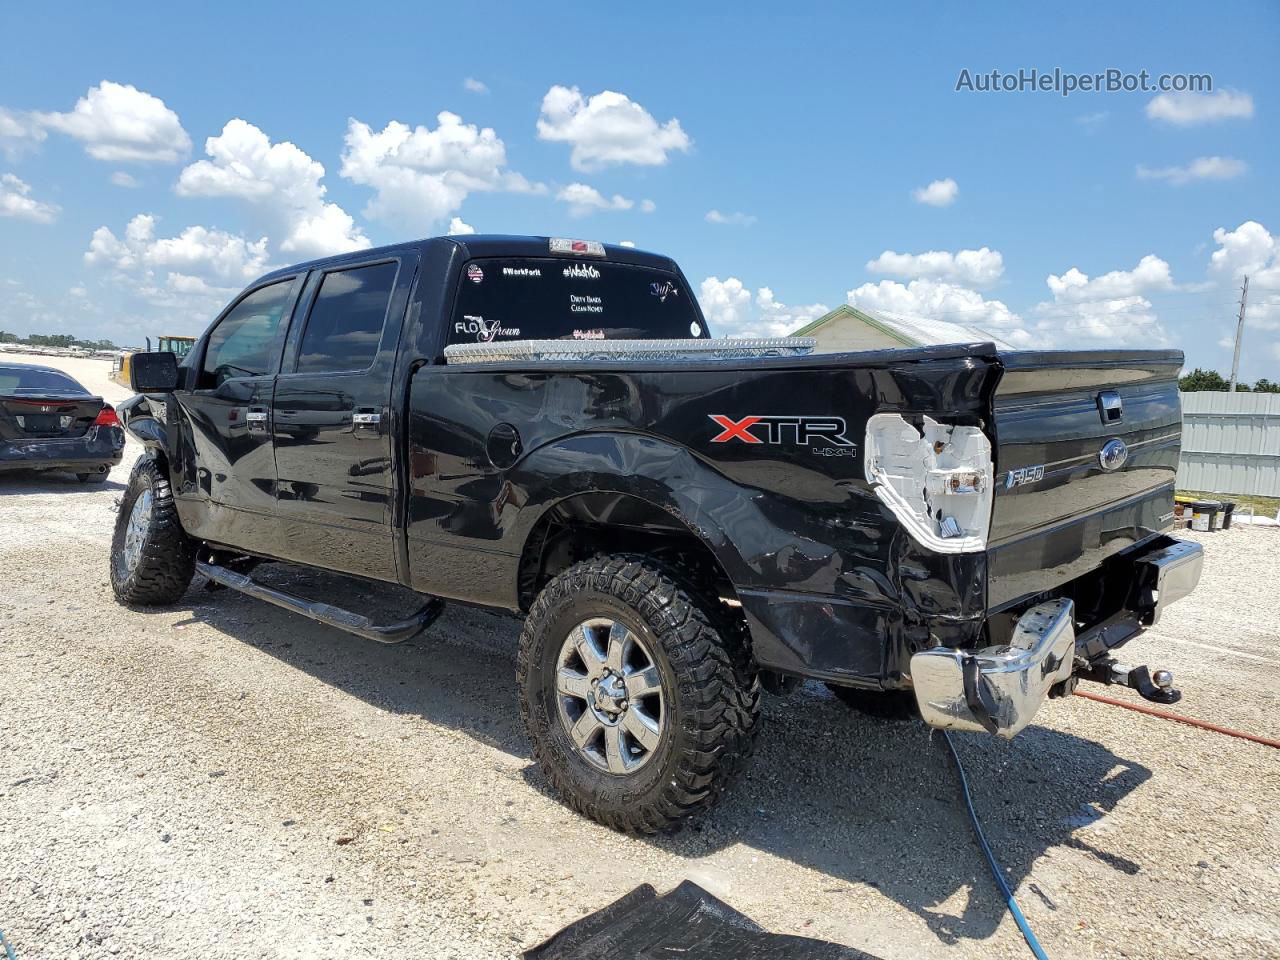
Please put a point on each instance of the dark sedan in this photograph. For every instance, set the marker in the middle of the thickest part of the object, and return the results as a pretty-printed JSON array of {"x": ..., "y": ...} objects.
[{"x": 50, "y": 422}]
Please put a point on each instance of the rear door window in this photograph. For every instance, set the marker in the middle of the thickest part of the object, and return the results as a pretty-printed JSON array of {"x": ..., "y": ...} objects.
[
  {"x": 504, "y": 298},
  {"x": 345, "y": 325}
]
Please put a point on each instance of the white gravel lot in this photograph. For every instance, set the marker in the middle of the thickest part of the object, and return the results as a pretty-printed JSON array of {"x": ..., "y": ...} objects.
[{"x": 222, "y": 779}]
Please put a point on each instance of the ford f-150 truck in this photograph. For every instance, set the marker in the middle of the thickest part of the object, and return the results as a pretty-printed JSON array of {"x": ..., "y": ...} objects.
[{"x": 545, "y": 427}]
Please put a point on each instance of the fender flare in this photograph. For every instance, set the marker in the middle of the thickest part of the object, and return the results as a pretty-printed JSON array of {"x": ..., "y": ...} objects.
[{"x": 662, "y": 474}]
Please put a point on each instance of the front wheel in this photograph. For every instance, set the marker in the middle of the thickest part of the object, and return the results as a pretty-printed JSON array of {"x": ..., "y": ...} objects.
[
  {"x": 152, "y": 559},
  {"x": 640, "y": 704}
]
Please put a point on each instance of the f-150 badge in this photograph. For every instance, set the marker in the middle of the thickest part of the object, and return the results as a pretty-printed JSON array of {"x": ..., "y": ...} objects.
[{"x": 1016, "y": 478}]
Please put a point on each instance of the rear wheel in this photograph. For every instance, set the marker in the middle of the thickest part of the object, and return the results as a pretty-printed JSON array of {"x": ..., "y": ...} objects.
[
  {"x": 152, "y": 558},
  {"x": 640, "y": 704}
]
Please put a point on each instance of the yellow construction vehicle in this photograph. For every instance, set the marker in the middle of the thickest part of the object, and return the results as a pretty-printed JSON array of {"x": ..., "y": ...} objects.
[{"x": 180, "y": 346}]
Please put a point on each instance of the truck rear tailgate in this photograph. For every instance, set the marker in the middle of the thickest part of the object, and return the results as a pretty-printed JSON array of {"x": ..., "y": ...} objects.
[{"x": 1058, "y": 512}]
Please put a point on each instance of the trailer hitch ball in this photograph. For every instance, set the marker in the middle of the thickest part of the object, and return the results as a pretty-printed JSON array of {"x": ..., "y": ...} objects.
[{"x": 1163, "y": 679}]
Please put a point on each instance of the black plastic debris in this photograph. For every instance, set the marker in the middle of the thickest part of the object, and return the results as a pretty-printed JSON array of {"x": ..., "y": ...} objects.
[{"x": 688, "y": 923}]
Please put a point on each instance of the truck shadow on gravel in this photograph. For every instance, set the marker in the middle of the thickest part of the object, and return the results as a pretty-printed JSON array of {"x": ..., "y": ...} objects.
[{"x": 869, "y": 803}]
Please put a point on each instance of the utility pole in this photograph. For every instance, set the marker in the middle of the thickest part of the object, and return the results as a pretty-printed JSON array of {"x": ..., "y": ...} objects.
[{"x": 1235, "y": 362}]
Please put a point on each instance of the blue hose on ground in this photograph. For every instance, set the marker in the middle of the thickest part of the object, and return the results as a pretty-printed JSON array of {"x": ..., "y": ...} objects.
[
  {"x": 1018, "y": 917},
  {"x": 8, "y": 950}
]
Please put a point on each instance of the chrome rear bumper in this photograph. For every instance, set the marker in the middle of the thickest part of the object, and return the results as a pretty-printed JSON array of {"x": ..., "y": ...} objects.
[
  {"x": 1169, "y": 573},
  {"x": 997, "y": 689}
]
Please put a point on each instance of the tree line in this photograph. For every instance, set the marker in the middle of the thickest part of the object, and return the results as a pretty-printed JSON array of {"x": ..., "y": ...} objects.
[
  {"x": 56, "y": 340},
  {"x": 1199, "y": 379}
]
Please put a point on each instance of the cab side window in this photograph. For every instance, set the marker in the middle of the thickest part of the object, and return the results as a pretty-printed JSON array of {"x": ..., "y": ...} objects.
[
  {"x": 345, "y": 325},
  {"x": 244, "y": 344}
]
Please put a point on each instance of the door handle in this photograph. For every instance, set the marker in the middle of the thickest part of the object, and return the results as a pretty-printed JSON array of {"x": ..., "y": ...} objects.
[{"x": 366, "y": 420}]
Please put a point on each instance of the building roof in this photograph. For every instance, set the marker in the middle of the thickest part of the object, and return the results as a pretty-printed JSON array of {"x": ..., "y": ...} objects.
[{"x": 908, "y": 331}]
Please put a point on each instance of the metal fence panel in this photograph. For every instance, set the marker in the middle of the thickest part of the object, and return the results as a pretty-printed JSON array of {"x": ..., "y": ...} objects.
[{"x": 1231, "y": 443}]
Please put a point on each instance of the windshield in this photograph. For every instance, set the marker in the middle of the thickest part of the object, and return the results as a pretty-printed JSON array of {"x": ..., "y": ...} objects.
[
  {"x": 526, "y": 298},
  {"x": 34, "y": 380}
]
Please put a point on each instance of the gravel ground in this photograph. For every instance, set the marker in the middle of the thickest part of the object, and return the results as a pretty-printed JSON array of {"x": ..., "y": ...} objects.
[{"x": 222, "y": 779}]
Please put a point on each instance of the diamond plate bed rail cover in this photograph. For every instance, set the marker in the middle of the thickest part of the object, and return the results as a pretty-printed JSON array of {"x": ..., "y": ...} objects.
[
  {"x": 613, "y": 350},
  {"x": 688, "y": 923}
]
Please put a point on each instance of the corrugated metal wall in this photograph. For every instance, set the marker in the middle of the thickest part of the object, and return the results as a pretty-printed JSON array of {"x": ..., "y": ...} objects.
[{"x": 1231, "y": 443}]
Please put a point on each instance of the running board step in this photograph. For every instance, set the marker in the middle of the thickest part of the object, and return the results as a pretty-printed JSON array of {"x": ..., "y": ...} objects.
[{"x": 324, "y": 612}]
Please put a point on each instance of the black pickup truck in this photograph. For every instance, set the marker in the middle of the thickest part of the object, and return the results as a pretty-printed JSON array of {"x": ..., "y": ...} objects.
[{"x": 545, "y": 427}]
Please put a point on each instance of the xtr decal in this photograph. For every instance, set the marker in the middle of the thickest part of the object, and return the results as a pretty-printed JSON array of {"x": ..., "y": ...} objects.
[{"x": 805, "y": 431}]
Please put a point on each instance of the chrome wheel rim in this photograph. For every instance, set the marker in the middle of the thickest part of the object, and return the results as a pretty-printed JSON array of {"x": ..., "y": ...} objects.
[
  {"x": 609, "y": 693},
  {"x": 135, "y": 533}
]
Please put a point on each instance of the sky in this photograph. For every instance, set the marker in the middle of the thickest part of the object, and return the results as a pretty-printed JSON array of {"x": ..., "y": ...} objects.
[{"x": 791, "y": 158}]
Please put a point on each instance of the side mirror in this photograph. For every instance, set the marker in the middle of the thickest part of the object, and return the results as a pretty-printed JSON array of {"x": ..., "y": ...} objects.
[{"x": 153, "y": 372}]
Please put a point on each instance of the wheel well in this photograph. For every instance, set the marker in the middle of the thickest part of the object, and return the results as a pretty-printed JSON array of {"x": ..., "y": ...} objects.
[{"x": 603, "y": 523}]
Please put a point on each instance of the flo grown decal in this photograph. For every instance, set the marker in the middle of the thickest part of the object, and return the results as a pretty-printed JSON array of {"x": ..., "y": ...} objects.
[{"x": 484, "y": 331}]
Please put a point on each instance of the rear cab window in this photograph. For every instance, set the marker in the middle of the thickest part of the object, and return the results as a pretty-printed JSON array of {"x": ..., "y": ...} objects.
[{"x": 548, "y": 298}]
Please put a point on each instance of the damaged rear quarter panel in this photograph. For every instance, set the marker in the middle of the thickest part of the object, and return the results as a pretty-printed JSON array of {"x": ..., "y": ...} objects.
[{"x": 831, "y": 584}]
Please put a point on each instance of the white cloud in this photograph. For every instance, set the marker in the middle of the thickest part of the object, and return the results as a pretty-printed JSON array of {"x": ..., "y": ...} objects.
[
  {"x": 936, "y": 300},
  {"x": 647, "y": 206},
  {"x": 1074, "y": 286},
  {"x": 981, "y": 267},
  {"x": 78, "y": 291},
  {"x": 1107, "y": 309},
  {"x": 20, "y": 133},
  {"x": 607, "y": 128},
  {"x": 779, "y": 320},
  {"x": 419, "y": 175},
  {"x": 122, "y": 179},
  {"x": 1093, "y": 121},
  {"x": 460, "y": 228},
  {"x": 1117, "y": 321},
  {"x": 737, "y": 219},
  {"x": 474, "y": 86},
  {"x": 939, "y": 193},
  {"x": 583, "y": 199},
  {"x": 730, "y": 311},
  {"x": 119, "y": 123},
  {"x": 197, "y": 260},
  {"x": 16, "y": 201},
  {"x": 1192, "y": 109},
  {"x": 279, "y": 179},
  {"x": 726, "y": 304},
  {"x": 1250, "y": 250},
  {"x": 1201, "y": 168}
]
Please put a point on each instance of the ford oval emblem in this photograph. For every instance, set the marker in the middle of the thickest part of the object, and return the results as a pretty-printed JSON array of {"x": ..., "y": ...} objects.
[{"x": 1113, "y": 454}]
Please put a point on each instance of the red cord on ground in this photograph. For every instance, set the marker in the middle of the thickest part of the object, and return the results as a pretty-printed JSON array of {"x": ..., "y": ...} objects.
[{"x": 1166, "y": 715}]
